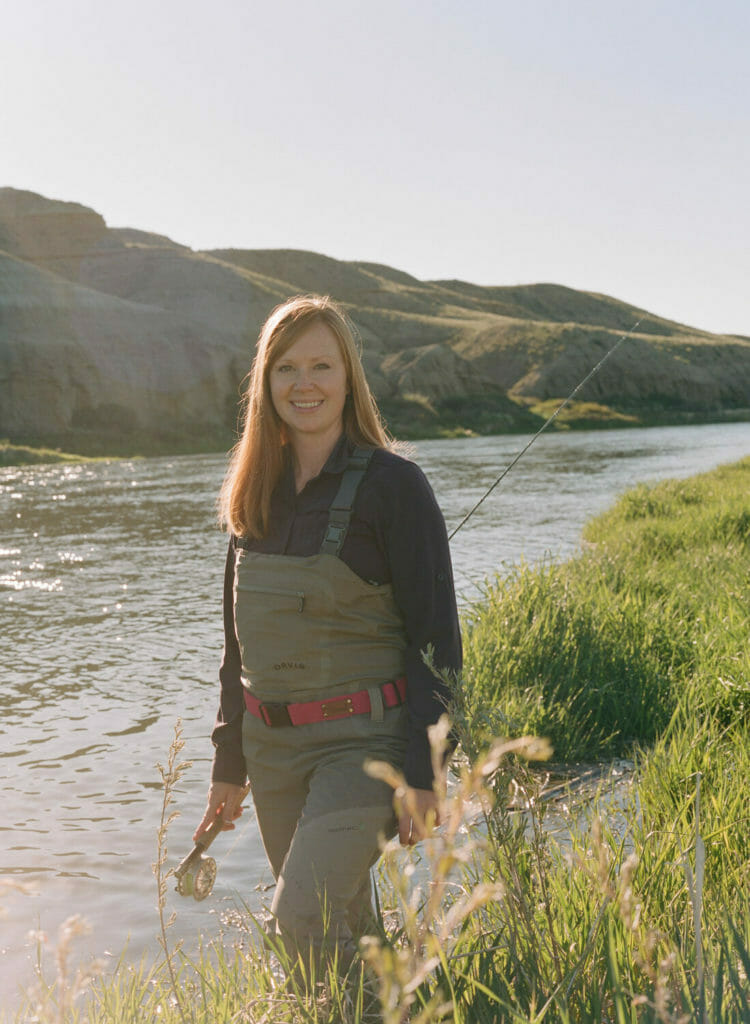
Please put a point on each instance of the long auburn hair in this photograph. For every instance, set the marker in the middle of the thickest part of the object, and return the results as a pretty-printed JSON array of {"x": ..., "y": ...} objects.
[{"x": 257, "y": 460}]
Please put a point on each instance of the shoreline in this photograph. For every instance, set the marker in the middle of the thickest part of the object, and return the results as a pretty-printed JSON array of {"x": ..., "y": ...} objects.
[{"x": 576, "y": 417}]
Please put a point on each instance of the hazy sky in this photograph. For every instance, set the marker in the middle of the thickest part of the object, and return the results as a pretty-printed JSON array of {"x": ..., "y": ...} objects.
[{"x": 602, "y": 145}]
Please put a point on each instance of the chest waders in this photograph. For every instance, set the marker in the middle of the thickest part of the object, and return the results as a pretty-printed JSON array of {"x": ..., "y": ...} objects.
[{"x": 317, "y": 645}]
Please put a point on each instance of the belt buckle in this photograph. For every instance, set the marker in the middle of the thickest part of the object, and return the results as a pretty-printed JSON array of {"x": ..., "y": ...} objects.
[
  {"x": 336, "y": 708},
  {"x": 275, "y": 715}
]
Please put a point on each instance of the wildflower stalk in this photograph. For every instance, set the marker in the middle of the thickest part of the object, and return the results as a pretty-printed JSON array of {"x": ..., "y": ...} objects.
[
  {"x": 170, "y": 776},
  {"x": 432, "y": 926}
]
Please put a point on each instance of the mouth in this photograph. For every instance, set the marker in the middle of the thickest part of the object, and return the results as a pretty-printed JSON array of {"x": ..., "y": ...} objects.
[{"x": 307, "y": 405}]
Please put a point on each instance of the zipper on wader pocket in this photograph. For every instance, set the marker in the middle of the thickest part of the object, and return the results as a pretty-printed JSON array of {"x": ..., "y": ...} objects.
[{"x": 298, "y": 595}]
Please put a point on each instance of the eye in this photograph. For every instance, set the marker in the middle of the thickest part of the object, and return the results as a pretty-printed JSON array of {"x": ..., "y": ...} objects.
[
  {"x": 282, "y": 368},
  {"x": 322, "y": 366}
]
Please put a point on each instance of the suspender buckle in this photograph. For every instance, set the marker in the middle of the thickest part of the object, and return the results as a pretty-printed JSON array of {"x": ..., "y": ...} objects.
[
  {"x": 334, "y": 534},
  {"x": 275, "y": 715},
  {"x": 341, "y": 508}
]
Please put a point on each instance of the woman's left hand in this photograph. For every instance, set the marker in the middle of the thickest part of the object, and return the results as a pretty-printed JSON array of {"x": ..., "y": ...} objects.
[{"x": 417, "y": 815}]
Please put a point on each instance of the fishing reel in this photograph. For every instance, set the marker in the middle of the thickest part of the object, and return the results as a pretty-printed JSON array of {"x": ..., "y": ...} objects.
[
  {"x": 196, "y": 874},
  {"x": 197, "y": 880}
]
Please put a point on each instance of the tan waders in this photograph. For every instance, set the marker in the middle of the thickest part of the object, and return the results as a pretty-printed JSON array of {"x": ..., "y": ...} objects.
[{"x": 311, "y": 630}]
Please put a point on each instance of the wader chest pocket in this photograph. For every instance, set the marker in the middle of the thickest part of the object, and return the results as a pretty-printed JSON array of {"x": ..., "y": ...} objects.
[{"x": 295, "y": 597}]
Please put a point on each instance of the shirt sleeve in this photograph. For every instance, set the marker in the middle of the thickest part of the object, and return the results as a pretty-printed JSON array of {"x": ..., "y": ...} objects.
[
  {"x": 422, "y": 578},
  {"x": 229, "y": 762}
]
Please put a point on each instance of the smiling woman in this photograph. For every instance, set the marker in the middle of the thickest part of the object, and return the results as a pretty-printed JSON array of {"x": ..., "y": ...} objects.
[
  {"x": 309, "y": 389},
  {"x": 260, "y": 455},
  {"x": 338, "y": 578}
]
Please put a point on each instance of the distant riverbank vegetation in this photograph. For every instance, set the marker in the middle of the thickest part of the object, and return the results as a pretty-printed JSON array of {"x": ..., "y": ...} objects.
[
  {"x": 415, "y": 417},
  {"x": 412, "y": 418},
  {"x": 637, "y": 647},
  {"x": 28, "y": 455}
]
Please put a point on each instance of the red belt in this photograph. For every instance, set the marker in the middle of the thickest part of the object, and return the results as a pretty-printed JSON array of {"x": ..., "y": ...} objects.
[{"x": 279, "y": 715}]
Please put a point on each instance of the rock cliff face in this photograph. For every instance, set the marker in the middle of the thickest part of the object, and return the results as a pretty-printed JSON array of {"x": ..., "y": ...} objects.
[
  {"x": 434, "y": 371},
  {"x": 54, "y": 235},
  {"x": 120, "y": 338},
  {"x": 76, "y": 361}
]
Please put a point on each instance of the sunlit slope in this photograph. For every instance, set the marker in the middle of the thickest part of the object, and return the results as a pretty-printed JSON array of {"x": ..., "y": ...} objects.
[
  {"x": 534, "y": 342},
  {"x": 99, "y": 326}
]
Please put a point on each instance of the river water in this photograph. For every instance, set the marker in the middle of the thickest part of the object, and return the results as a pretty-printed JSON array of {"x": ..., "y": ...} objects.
[{"x": 110, "y": 631}]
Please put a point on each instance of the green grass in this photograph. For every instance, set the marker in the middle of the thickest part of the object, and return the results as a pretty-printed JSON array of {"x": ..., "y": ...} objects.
[
  {"x": 27, "y": 455},
  {"x": 583, "y": 415},
  {"x": 597, "y": 652},
  {"x": 83, "y": 445},
  {"x": 638, "y": 646}
]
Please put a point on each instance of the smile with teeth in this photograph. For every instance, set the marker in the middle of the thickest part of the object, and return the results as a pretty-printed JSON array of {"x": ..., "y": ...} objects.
[{"x": 307, "y": 405}]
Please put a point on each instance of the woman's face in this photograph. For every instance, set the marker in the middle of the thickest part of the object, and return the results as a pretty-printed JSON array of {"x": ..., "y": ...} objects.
[{"x": 309, "y": 386}]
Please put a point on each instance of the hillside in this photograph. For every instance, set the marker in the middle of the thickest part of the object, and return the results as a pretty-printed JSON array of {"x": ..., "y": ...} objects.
[{"x": 119, "y": 339}]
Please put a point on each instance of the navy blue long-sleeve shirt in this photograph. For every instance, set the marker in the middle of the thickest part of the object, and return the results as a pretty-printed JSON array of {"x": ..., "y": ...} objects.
[{"x": 397, "y": 535}]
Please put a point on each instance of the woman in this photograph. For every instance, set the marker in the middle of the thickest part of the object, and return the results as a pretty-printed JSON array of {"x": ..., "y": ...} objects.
[{"x": 338, "y": 576}]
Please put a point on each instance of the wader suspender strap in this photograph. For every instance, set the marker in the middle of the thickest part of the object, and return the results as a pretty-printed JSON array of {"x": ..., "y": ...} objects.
[{"x": 341, "y": 507}]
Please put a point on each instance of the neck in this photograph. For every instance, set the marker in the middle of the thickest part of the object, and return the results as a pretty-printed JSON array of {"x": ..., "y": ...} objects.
[{"x": 309, "y": 455}]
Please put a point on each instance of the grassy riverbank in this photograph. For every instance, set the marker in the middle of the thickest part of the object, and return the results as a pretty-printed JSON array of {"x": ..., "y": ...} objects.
[
  {"x": 641, "y": 644},
  {"x": 639, "y": 647},
  {"x": 599, "y": 652},
  {"x": 96, "y": 448},
  {"x": 28, "y": 455}
]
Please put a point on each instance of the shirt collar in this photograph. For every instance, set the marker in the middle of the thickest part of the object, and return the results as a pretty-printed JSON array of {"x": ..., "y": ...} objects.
[
  {"x": 334, "y": 464},
  {"x": 337, "y": 460}
]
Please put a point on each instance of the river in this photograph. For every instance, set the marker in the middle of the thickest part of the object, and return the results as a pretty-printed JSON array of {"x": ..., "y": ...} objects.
[{"x": 110, "y": 630}]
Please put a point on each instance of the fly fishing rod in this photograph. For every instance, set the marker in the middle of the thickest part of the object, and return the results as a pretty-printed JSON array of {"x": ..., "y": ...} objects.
[{"x": 558, "y": 410}]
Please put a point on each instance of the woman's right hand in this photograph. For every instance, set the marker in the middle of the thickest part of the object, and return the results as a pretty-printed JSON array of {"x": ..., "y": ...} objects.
[{"x": 223, "y": 798}]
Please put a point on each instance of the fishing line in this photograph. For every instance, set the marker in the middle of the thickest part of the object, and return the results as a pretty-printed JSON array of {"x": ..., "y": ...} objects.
[
  {"x": 544, "y": 426},
  {"x": 239, "y": 833}
]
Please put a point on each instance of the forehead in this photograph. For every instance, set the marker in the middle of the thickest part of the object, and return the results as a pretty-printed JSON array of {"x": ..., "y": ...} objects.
[{"x": 317, "y": 339}]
